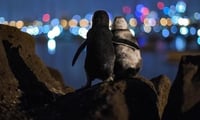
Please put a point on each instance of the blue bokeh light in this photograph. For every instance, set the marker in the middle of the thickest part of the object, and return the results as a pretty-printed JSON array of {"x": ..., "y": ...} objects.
[
  {"x": 165, "y": 33},
  {"x": 180, "y": 43},
  {"x": 193, "y": 30},
  {"x": 198, "y": 40},
  {"x": 174, "y": 29},
  {"x": 181, "y": 6}
]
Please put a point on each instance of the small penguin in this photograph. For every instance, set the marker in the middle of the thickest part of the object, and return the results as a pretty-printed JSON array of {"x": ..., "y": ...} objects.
[
  {"x": 128, "y": 57},
  {"x": 100, "y": 54}
]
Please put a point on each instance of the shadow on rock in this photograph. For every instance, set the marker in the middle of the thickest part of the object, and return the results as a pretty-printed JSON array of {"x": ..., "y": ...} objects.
[{"x": 120, "y": 100}]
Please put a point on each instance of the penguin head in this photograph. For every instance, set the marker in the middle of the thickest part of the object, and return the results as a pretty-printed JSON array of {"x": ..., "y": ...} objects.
[
  {"x": 119, "y": 23},
  {"x": 101, "y": 18}
]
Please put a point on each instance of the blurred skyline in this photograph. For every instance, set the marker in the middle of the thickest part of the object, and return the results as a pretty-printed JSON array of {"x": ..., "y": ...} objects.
[
  {"x": 34, "y": 9},
  {"x": 58, "y": 31}
]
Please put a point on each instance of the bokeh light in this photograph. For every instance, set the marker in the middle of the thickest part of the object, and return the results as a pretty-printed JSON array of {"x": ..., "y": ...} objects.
[
  {"x": 145, "y": 11},
  {"x": 174, "y": 29},
  {"x": 193, "y": 30},
  {"x": 77, "y": 18},
  {"x": 89, "y": 16},
  {"x": 165, "y": 33},
  {"x": 64, "y": 23},
  {"x": 160, "y": 5},
  {"x": 198, "y": 32},
  {"x": 19, "y": 24},
  {"x": 33, "y": 30},
  {"x": 46, "y": 17},
  {"x": 51, "y": 46},
  {"x": 183, "y": 21},
  {"x": 147, "y": 28},
  {"x": 166, "y": 10},
  {"x": 197, "y": 15},
  {"x": 12, "y": 23},
  {"x": 184, "y": 30},
  {"x": 163, "y": 21},
  {"x": 126, "y": 9},
  {"x": 181, "y": 6},
  {"x": 46, "y": 29},
  {"x": 2, "y": 19},
  {"x": 198, "y": 40},
  {"x": 168, "y": 21},
  {"x": 55, "y": 22},
  {"x": 74, "y": 30},
  {"x": 180, "y": 43},
  {"x": 83, "y": 32},
  {"x": 157, "y": 28},
  {"x": 84, "y": 23},
  {"x": 73, "y": 23},
  {"x": 133, "y": 22}
]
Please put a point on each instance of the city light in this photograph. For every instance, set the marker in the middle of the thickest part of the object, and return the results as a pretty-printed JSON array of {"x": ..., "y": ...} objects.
[
  {"x": 160, "y": 5},
  {"x": 181, "y": 6},
  {"x": 167, "y": 21},
  {"x": 198, "y": 40},
  {"x": 180, "y": 43},
  {"x": 165, "y": 33},
  {"x": 51, "y": 46},
  {"x": 46, "y": 17}
]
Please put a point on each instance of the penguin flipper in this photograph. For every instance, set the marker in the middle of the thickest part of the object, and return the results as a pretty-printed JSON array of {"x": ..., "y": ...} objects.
[{"x": 80, "y": 49}]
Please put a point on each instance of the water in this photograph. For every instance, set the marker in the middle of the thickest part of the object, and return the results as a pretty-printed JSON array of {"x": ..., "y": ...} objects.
[{"x": 154, "y": 63}]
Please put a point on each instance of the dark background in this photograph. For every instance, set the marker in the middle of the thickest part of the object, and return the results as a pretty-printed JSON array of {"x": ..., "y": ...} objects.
[{"x": 157, "y": 53}]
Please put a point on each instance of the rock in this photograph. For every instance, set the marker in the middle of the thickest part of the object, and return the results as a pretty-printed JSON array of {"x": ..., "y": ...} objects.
[
  {"x": 119, "y": 100},
  {"x": 141, "y": 99},
  {"x": 184, "y": 96},
  {"x": 26, "y": 83},
  {"x": 32, "y": 91},
  {"x": 162, "y": 85},
  {"x": 58, "y": 77}
]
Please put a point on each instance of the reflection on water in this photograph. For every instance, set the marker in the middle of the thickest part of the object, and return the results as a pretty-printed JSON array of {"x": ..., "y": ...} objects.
[{"x": 154, "y": 63}]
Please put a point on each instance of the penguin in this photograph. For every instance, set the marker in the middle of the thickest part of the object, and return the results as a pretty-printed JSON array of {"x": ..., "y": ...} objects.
[
  {"x": 128, "y": 60},
  {"x": 100, "y": 54}
]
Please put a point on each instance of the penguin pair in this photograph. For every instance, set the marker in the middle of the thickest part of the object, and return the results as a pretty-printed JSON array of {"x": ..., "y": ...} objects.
[{"x": 108, "y": 52}]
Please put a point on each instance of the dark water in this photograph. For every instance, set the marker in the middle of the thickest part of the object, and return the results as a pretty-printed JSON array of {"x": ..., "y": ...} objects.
[{"x": 154, "y": 63}]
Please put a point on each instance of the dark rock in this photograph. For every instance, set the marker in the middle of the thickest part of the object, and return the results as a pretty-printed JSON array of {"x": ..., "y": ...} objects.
[
  {"x": 26, "y": 83},
  {"x": 184, "y": 97},
  {"x": 120, "y": 100},
  {"x": 32, "y": 91},
  {"x": 162, "y": 85},
  {"x": 141, "y": 99}
]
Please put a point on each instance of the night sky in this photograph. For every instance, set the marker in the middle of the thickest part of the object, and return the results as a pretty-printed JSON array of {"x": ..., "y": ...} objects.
[{"x": 34, "y": 9}]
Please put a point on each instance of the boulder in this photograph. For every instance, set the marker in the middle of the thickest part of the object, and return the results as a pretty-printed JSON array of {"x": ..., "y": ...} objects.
[
  {"x": 131, "y": 98},
  {"x": 184, "y": 96},
  {"x": 25, "y": 81}
]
